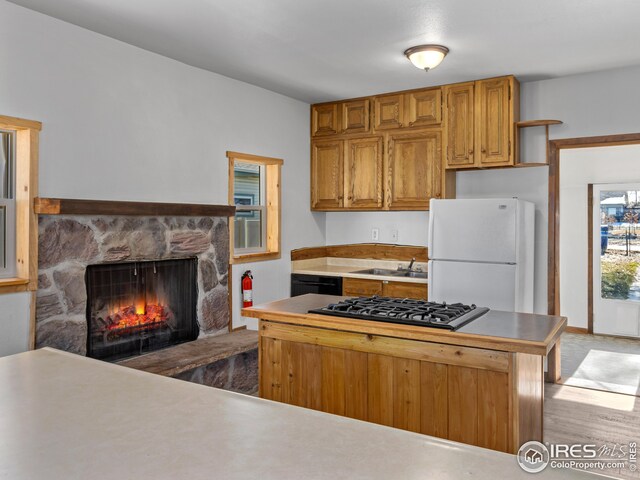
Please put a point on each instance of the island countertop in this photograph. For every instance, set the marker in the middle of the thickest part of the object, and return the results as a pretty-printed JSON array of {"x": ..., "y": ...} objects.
[
  {"x": 63, "y": 416},
  {"x": 497, "y": 330}
]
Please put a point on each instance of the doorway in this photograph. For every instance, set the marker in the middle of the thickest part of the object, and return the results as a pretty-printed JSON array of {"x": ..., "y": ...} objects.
[{"x": 598, "y": 243}]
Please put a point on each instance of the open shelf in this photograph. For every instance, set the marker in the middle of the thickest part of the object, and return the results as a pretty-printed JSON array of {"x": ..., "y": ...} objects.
[
  {"x": 531, "y": 164},
  {"x": 537, "y": 123},
  {"x": 534, "y": 123}
]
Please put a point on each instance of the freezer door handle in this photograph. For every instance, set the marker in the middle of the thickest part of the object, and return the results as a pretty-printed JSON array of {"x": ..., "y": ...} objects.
[{"x": 430, "y": 234}]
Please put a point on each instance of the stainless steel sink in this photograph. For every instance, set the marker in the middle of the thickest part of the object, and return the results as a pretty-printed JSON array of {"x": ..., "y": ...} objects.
[
  {"x": 392, "y": 273},
  {"x": 411, "y": 274},
  {"x": 377, "y": 271}
]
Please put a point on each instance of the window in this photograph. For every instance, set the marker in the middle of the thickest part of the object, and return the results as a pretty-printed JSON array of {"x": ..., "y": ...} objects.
[
  {"x": 18, "y": 189},
  {"x": 7, "y": 204},
  {"x": 254, "y": 189}
]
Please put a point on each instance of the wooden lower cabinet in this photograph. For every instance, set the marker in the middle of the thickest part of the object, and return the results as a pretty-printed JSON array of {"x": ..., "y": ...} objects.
[
  {"x": 358, "y": 287},
  {"x": 471, "y": 395}
]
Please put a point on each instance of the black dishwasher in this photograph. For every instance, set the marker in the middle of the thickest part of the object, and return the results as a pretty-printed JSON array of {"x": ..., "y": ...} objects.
[{"x": 301, "y": 284}]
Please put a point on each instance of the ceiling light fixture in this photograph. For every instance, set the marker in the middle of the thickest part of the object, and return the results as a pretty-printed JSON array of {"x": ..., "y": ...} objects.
[{"x": 426, "y": 57}]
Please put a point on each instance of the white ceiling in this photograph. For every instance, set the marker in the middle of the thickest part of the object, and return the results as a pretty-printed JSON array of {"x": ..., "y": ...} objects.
[{"x": 319, "y": 50}]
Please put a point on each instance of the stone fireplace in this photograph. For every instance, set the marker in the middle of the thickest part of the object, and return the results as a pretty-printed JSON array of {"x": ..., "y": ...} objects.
[{"x": 75, "y": 250}]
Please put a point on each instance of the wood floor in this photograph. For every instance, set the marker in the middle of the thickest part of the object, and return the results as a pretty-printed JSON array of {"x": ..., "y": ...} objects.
[{"x": 579, "y": 415}]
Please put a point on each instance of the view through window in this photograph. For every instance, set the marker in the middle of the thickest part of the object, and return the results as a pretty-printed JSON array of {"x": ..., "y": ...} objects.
[
  {"x": 7, "y": 203},
  {"x": 249, "y": 199}
]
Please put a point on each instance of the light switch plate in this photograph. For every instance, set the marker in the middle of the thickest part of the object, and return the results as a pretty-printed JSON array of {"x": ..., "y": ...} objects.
[
  {"x": 375, "y": 234},
  {"x": 394, "y": 235}
]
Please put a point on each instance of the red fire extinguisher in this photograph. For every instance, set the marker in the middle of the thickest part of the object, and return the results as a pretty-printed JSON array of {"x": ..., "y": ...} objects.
[{"x": 247, "y": 289}]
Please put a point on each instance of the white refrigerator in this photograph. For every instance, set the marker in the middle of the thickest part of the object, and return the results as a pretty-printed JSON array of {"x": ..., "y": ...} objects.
[{"x": 481, "y": 252}]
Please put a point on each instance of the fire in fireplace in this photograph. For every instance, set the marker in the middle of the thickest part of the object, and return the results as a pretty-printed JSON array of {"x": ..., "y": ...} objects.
[{"x": 135, "y": 308}]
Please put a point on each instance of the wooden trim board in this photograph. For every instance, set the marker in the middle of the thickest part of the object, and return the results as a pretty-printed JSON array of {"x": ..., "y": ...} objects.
[
  {"x": 373, "y": 251},
  {"x": 66, "y": 206}
]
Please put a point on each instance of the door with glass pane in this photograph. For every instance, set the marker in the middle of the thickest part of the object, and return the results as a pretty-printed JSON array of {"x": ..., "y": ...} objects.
[{"x": 616, "y": 259}]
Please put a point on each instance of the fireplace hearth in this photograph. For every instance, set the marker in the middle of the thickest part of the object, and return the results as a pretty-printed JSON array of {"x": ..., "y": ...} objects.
[{"x": 138, "y": 307}]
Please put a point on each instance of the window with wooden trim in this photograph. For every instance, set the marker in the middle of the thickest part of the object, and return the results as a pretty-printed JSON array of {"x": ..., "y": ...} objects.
[
  {"x": 18, "y": 188},
  {"x": 254, "y": 189}
]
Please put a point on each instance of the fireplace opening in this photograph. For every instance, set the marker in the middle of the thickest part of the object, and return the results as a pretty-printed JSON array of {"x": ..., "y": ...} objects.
[{"x": 135, "y": 308}]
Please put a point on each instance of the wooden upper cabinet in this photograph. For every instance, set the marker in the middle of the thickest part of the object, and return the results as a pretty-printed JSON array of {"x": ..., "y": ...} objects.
[
  {"x": 355, "y": 116},
  {"x": 327, "y": 174},
  {"x": 494, "y": 123},
  {"x": 363, "y": 173},
  {"x": 324, "y": 120},
  {"x": 480, "y": 123},
  {"x": 459, "y": 125},
  {"x": 424, "y": 108},
  {"x": 414, "y": 170},
  {"x": 388, "y": 112}
]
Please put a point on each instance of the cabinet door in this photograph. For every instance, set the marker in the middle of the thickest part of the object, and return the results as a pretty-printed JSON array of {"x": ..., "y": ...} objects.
[
  {"x": 357, "y": 287},
  {"x": 424, "y": 108},
  {"x": 363, "y": 173},
  {"x": 324, "y": 120},
  {"x": 405, "y": 290},
  {"x": 355, "y": 116},
  {"x": 388, "y": 112},
  {"x": 414, "y": 161},
  {"x": 327, "y": 175},
  {"x": 493, "y": 122},
  {"x": 459, "y": 121}
]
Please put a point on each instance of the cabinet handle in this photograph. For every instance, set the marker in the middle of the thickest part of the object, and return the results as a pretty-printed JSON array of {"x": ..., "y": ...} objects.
[
  {"x": 483, "y": 150},
  {"x": 471, "y": 151},
  {"x": 349, "y": 198}
]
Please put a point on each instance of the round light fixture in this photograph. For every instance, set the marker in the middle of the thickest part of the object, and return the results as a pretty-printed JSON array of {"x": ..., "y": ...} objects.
[{"x": 426, "y": 57}]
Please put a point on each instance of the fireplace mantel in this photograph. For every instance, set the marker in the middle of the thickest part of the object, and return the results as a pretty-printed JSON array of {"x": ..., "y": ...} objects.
[{"x": 69, "y": 206}]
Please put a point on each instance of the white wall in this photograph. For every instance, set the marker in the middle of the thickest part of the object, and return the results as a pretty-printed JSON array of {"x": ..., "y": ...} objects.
[
  {"x": 350, "y": 227},
  {"x": 578, "y": 168},
  {"x": 122, "y": 123},
  {"x": 590, "y": 104}
]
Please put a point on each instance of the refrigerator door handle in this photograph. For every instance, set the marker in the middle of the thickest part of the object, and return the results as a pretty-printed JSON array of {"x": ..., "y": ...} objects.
[{"x": 430, "y": 234}]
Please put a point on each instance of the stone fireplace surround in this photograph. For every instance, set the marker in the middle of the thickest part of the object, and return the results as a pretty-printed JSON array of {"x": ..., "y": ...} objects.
[{"x": 67, "y": 243}]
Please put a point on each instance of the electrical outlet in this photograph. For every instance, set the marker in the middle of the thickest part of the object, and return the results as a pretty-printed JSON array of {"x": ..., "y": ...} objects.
[
  {"x": 375, "y": 234},
  {"x": 394, "y": 235}
]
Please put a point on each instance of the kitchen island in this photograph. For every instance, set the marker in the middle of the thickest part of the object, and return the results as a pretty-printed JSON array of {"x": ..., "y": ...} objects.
[
  {"x": 63, "y": 416},
  {"x": 481, "y": 384}
]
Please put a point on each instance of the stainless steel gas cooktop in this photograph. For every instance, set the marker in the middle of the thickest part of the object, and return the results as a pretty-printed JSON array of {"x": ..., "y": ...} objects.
[{"x": 405, "y": 311}]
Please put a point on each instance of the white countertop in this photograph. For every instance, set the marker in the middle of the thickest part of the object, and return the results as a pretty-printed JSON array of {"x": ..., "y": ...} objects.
[
  {"x": 348, "y": 267},
  {"x": 68, "y": 417}
]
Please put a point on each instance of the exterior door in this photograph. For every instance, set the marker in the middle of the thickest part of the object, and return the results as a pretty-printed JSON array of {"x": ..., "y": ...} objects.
[{"x": 616, "y": 259}]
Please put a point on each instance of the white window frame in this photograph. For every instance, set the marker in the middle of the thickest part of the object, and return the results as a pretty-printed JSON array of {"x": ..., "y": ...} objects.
[
  {"x": 8, "y": 209},
  {"x": 261, "y": 207}
]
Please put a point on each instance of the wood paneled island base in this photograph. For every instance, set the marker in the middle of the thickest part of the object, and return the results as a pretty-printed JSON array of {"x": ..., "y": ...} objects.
[{"x": 471, "y": 385}]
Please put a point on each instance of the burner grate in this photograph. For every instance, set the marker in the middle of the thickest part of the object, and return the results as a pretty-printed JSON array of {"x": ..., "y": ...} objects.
[{"x": 405, "y": 311}]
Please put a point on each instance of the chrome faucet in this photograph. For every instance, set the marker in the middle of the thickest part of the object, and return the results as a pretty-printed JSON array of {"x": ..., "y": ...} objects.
[
  {"x": 413, "y": 260},
  {"x": 408, "y": 269}
]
